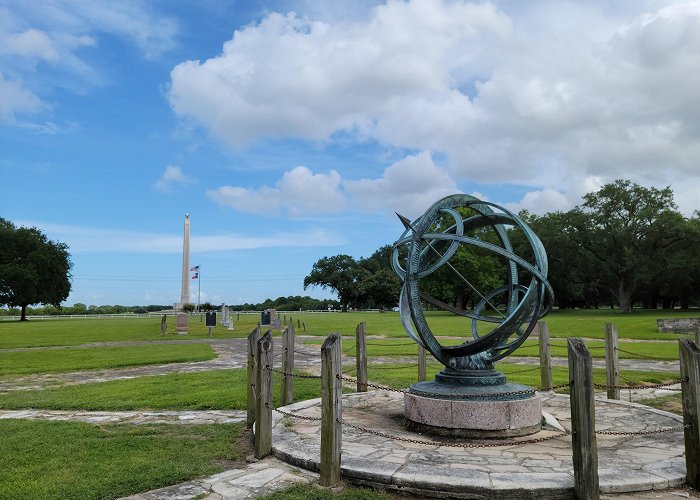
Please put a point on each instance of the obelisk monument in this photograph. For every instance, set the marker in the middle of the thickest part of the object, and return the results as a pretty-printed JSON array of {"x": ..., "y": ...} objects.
[{"x": 185, "y": 292}]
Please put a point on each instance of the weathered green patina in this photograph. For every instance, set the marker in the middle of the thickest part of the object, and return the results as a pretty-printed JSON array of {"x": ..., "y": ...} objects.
[{"x": 428, "y": 243}]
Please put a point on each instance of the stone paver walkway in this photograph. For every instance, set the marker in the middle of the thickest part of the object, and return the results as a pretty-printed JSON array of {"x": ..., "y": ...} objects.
[
  {"x": 626, "y": 463},
  {"x": 131, "y": 417},
  {"x": 253, "y": 480}
]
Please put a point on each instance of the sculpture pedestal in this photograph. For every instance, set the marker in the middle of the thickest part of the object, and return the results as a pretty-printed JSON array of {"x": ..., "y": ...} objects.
[{"x": 473, "y": 411}]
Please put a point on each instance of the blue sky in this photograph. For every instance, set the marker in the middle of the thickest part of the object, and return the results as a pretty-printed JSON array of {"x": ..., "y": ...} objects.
[{"x": 291, "y": 130}]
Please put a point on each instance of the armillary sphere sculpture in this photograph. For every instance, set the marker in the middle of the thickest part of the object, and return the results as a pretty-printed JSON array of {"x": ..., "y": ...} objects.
[{"x": 509, "y": 311}]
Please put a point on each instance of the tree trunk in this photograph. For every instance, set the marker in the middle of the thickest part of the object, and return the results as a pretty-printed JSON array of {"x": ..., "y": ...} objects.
[
  {"x": 24, "y": 313},
  {"x": 624, "y": 297},
  {"x": 685, "y": 300}
]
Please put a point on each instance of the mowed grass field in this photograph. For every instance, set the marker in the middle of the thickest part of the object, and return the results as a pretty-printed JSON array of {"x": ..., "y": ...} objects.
[
  {"x": 43, "y": 459},
  {"x": 640, "y": 325}
]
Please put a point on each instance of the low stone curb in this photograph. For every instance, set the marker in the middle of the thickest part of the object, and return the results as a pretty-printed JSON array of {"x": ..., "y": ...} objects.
[
  {"x": 541, "y": 470},
  {"x": 252, "y": 481},
  {"x": 131, "y": 417}
]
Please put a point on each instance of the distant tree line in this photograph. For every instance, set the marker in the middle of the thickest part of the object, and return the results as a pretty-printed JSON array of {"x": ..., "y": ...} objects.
[
  {"x": 290, "y": 303},
  {"x": 80, "y": 308},
  {"x": 625, "y": 246}
]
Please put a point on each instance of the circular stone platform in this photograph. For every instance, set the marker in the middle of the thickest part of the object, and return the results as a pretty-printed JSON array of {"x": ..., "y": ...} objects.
[
  {"x": 532, "y": 470},
  {"x": 472, "y": 415}
]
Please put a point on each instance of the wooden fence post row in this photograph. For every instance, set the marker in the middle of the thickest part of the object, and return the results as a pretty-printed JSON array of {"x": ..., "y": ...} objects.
[
  {"x": 361, "y": 356},
  {"x": 263, "y": 386},
  {"x": 583, "y": 438},
  {"x": 252, "y": 374},
  {"x": 545, "y": 356},
  {"x": 612, "y": 362},
  {"x": 689, "y": 355},
  {"x": 288, "y": 340},
  {"x": 331, "y": 410}
]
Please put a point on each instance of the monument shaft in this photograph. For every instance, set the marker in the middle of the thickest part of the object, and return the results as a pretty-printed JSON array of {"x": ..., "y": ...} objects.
[{"x": 185, "y": 292}]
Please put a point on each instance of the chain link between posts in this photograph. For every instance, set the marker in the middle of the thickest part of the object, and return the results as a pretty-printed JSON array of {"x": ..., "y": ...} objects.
[
  {"x": 306, "y": 353},
  {"x": 450, "y": 396},
  {"x": 453, "y": 445},
  {"x": 472, "y": 445},
  {"x": 645, "y": 356},
  {"x": 640, "y": 386},
  {"x": 509, "y": 393},
  {"x": 289, "y": 374}
]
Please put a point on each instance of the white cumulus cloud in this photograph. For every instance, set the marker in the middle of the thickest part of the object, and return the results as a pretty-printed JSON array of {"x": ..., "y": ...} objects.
[
  {"x": 16, "y": 100},
  {"x": 299, "y": 192},
  {"x": 409, "y": 186},
  {"x": 42, "y": 47},
  {"x": 172, "y": 177},
  {"x": 534, "y": 96}
]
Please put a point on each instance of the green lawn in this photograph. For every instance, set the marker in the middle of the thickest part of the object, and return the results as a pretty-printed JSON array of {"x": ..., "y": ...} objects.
[
  {"x": 69, "y": 460},
  {"x": 217, "y": 389},
  {"x": 65, "y": 332},
  {"x": 400, "y": 376},
  {"x": 97, "y": 358},
  {"x": 641, "y": 324}
]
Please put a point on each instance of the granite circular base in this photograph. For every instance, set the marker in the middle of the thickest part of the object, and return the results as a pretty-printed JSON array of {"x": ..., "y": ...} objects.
[
  {"x": 418, "y": 466},
  {"x": 473, "y": 418}
]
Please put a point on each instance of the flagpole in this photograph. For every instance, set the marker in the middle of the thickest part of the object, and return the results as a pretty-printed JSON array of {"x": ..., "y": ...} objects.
[{"x": 199, "y": 285}]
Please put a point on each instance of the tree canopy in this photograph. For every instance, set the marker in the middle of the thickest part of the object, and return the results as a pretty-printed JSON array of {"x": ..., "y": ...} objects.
[
  {"x": 33, "y": 269},
  {"x": 367, "y": 283},
  {"x": 625, "y": 245},
  {"x": 340, "y": 273}
]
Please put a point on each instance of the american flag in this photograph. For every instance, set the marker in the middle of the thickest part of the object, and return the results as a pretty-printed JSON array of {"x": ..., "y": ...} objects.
[
  {"x": 195, "y": 268},
  {"x": 196, "y": 275}
]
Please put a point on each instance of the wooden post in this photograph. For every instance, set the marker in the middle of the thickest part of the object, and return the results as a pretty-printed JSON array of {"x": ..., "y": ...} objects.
[
  {"x": 331, "y": 410},
  {"x": 163, "y": 325},
  {"x": 545, "y": 356},
  {"x": 252, "y": 373},
  {"x": 304, "y": 325},
  {"x": 263, "y": 385},
  {"x": 697, "y": 335},
  {"x": 583, "y": 439},
  {"x": 298, "y": 323},
  {"x": 361, "y": 356},
  {"x": 612, "y": 362},
  {"x": 689, "y": 355},
  {"x": 288, "y": 365},
  {"x": 422, "y": 364}
]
